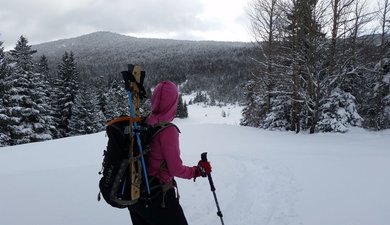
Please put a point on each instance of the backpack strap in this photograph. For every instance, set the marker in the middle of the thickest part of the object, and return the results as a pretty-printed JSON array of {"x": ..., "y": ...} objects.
[{"x": 157, "y": 128}]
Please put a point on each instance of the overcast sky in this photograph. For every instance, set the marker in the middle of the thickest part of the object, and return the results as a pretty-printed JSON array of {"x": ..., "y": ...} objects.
[{"x": 48, "y": 20}]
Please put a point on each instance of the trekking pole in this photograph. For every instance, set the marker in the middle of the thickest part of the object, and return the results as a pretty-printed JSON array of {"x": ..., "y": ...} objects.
[
  {"x": 219, "y": 213},
  {"x": 134, "y": 79}
]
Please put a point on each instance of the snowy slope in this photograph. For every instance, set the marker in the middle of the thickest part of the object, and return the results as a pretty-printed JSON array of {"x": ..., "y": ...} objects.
[{"x": 261, "y": 177}]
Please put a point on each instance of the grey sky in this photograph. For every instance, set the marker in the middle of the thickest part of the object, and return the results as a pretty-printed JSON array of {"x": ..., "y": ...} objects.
[{"x": 48, "y": 20}]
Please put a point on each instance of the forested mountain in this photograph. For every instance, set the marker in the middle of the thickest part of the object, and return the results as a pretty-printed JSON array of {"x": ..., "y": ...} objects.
[
  {"x": 221, "y": 68},
  {"x": 73, "y": 86}
]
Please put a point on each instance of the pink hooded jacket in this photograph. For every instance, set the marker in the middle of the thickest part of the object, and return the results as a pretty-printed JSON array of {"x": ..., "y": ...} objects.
[{"x": 165, "y": 145}]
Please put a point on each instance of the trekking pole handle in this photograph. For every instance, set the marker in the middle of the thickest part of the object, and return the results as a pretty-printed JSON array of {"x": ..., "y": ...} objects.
[{"x": 203, "y": 157}]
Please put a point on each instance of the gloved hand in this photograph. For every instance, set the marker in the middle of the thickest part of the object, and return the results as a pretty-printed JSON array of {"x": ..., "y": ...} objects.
[{"x": 202, "y": 169}]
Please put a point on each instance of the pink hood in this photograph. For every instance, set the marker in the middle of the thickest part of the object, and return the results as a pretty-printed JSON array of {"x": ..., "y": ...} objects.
[
  {"x": 165, "y": 145},
  {"x": 164, "y": 103}
]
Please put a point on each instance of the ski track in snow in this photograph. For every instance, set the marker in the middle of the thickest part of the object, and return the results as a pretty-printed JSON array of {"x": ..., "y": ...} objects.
[{"x": 273, "y": 193}]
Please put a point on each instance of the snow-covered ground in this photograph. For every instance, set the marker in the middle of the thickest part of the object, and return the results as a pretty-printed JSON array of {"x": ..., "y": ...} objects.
[{"x": 262, "y": 177}]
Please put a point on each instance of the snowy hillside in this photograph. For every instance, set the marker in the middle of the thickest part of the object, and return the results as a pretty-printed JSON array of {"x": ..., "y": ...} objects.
[{"x": 262, "y": 177}]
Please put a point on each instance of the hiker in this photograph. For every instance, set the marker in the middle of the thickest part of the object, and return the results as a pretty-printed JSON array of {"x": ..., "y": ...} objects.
[{"x": 163, "y": 164}]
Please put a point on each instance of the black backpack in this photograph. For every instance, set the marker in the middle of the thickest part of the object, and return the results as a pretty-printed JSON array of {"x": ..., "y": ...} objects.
[{"x": 123, "y": 182}]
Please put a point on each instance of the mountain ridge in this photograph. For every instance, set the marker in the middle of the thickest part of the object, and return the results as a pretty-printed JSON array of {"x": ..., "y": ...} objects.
[
  {"x": 104, "y": 33},
  {"x": 220, "y": 68}
]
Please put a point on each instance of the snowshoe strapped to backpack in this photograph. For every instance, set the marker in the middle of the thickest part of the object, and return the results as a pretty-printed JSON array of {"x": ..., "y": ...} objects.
[{"x": 122, "y": 179}]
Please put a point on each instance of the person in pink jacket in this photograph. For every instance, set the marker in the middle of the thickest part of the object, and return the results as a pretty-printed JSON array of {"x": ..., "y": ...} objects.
[{"x": 164, "y": 163}]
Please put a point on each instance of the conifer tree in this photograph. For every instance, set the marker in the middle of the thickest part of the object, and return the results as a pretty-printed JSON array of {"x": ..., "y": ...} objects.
[
  {"x": 3, "y": 66},
  {"x": 24, "y": 102},
  {"x": 182, "y": 111},
  {"x": 3, "y": 70},
  {"x": 23, "y": 54},
  {"x": 43, "y": 67},
  {"x": 200, "y": 97},
  {"x": 339, "y": 112},
  {"x": 381, "y": 89},
  {"x": 254, "y": 111},
  {"x": 146, "y": 104},
  {"x": 48, "y": 89},
  {"x": 117, "y": 102},
  {"x": 87, "y": 118},
  {"x": 4, "y": 133},
  {"x": 278, "y": 117},
  {"x": 66, "y": 90},
  {"x": 185, "y": 110},
  {"x": 101, "y": 93},
  {"x": 381, "y": 95}
]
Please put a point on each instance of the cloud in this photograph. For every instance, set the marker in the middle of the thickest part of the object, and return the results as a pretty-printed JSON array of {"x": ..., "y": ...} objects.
[{"x": 45, "y": 20}]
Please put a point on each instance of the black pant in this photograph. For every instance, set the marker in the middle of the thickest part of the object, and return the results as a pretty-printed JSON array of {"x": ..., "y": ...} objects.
[{"x": 155, "y": 214}]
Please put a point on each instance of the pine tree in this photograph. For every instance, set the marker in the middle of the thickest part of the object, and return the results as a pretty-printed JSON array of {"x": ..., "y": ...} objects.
[
  {"x": 182, "y": 111},
  {"x": 66, "y": 91},
  {"x": 4, "y": 133},
  {"x": 117, "y": 103},
  {"x": 146, "y": 103},
  {"x": 304, "y": 39},
  {"x": 381, "y": 95},
  {"x": 185, "y": 110},
  {"x": 3, "y": 70},
  {"x": 24, "y": 101},
  {"x": 43, "y": 67},
  {"x": 339, "y": 112},
  {"x": 23, "y": 55},
  {"x": 278, "y": 117},
  {"x": 45, "y": 127},
  {"x": 255, "y": 107},
  {"x": 49, "y": 92},
  {"x": 101, "y": 93},
  {"x": 3, "y": 67},
  {"x": 200, "y": 97},
  {"x": 87, "y": 118}
]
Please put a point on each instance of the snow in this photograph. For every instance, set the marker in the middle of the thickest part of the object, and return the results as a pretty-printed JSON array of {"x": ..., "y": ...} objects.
[{"x": 262, "y": 177}]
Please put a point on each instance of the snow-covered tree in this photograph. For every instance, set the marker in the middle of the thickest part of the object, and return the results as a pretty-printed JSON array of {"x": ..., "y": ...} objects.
[
  {"x": 66, "y": 88},
  {"x": 117, "y": 103},
  {"x": 182, "y": 111},
  {"x": 43, "y": 67},
  {"x": 146, "y": 103},
  {"x": 278, "y": 117},
  {"x": 3, "y": 66},
  {"x": 48, "y": 89},
  {"x": 255, "y": 106},
  {"x": 24, "y": 102},
  {"x": 87, "y": 118},
  {"x": 23, "y": 55},
  {"x": 381, "y": 95},
  {"x": 4, "y": 134},
  {"x": 3, "y": 70},
  {"x": 200, "y": 97},
  {"x": 339, "y": 113}
]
